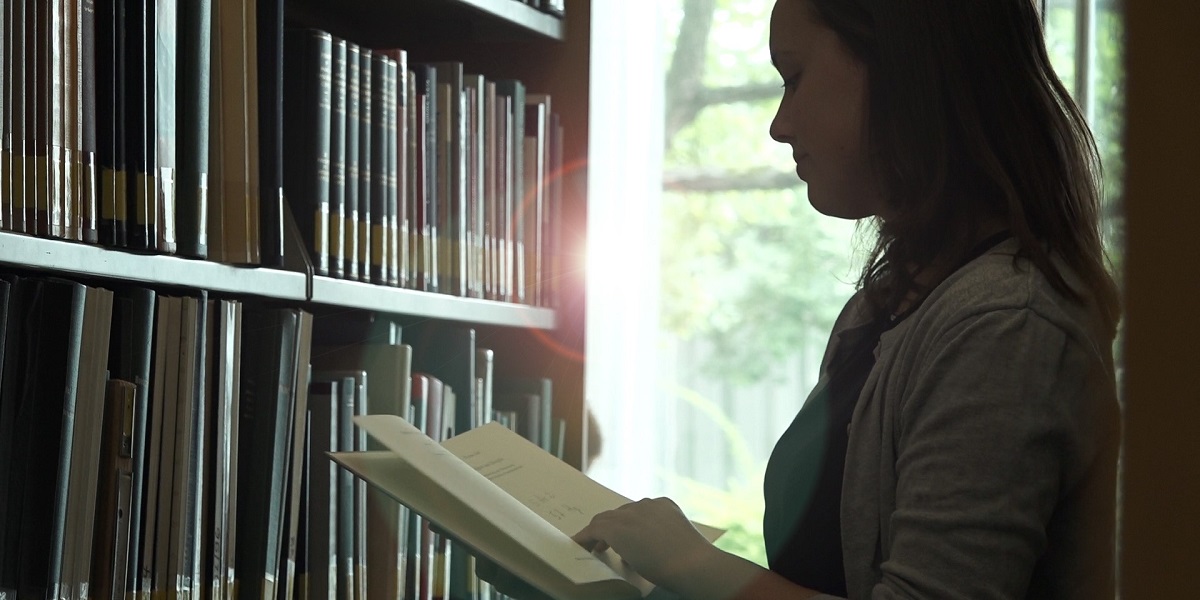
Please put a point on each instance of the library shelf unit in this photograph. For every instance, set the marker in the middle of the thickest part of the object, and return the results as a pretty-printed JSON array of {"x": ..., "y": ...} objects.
[{"x": 497, "y": 38}]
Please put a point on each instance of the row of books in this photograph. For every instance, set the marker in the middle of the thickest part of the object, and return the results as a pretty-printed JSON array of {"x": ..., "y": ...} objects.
[
  {"x": 420, "y": 175},
  {"x": 185, "y": 128},
  {"x": 177, "y": 444}
]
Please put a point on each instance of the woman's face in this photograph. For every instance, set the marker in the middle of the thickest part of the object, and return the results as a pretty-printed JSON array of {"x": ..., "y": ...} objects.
[{"x": 822, "y": 115}]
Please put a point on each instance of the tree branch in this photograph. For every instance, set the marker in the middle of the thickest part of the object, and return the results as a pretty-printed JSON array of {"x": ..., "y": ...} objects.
[
  {"x": 685, "y": 75},
  {"x": 708, "y": 181},
  {"x": 751, "y": 92}
]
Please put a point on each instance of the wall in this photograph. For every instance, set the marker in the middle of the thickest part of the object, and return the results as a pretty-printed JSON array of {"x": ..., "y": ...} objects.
[{"x": 1162, "y": 459}]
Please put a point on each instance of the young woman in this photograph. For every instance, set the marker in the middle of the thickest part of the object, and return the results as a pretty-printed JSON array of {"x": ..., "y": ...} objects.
[{"x": 962, "y": 440}]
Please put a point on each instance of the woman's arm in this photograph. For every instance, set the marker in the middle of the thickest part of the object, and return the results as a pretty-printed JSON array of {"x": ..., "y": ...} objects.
[{"x": 659, "y": 542}]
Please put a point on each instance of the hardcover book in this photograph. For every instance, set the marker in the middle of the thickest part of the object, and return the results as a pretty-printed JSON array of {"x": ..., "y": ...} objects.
[{"x": 504, "y": 498}]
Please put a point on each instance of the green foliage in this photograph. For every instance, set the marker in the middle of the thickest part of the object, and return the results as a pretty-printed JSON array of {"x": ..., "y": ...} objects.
[{"x": 738, "y": 507}]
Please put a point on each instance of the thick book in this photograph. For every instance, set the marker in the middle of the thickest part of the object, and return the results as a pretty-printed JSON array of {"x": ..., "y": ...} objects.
[
  {"x": 308, "y": 87},
  {"x": 366, "y": 120},
  {"x": 351, "y": 132},
  {"x": 110, "y": 121},
  {"x": 381, "y": 114},
  {"x": 234, "y": 206},
  {"x": 192, "y": 127},
  {"x": 271, "y": 341},
  {"x": 269, "y": 85},
  {"x": 507, "y": 500},
  {"x": 337, "y": 162}
]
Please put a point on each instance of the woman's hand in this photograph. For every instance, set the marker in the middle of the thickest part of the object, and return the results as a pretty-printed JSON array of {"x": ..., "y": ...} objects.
[{"x": 652, "y": 536}]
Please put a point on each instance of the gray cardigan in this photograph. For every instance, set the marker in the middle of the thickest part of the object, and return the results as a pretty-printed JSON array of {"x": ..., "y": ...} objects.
[{"x": 982, "y": 451}]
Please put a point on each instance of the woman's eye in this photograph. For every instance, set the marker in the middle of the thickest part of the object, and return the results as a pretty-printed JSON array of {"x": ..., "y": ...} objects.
[{"x": 790, "y": 83}]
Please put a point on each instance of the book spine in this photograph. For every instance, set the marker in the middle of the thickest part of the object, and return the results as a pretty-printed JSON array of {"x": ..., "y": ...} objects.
[
  {"x": 379, "y": 167},
  {"x": 398, "y": 272},
  {"x": 110, "y": 119},
  {"x": 164, "y": 142},
  {"x": 269, "y": 153},
  {"x": 426, "y": 168},
  {"x": 306, "y": 140},
  {"x": 88, "y": 184},
  {"x": 337, "y": 163},
  {"x": 195, "y": 72},
  {"x": 365, "y": 175},
  {"x": 514, "y": 91},
  {"x": 139, "y": 131},
  {"x": 45, "y": 435},
  {"x": 352, "y": 131},
  {"x": 475, "y": 90},
  {"x": 266, "y": 401}
]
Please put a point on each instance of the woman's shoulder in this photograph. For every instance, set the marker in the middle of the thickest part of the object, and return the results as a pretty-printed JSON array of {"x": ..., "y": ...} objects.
[{"x": 1001, "y": 280}]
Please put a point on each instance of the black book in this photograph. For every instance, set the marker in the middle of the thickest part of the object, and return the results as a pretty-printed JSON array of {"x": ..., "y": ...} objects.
[
  {"x": 192, "y": 128},
  {"x": 380, "y": 115},
  {"x": 88, "y": 188},
  {"x": 110, "y": 121},
  {"x": 452, "y": 174},
  {"x": 512, "y": 93},
  {"x": 350, "y": 251},
  {"x": 13, "y": 305},
  {"x": 45, "y": 389},
  {"x": 270, "y": 131},
  {"x": 337, "y": 163},
  {"x": 425, "y": 204},
  {"x": 139, "y": 125},
  {"x": 366, "y": 120},
  {"x": 307, "y": 113},
  {"x": 268, "y": 374},
  {"x": 323, "y": 402}
]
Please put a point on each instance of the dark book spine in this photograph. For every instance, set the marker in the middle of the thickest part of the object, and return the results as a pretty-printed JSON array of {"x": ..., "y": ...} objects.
[
  {"x": 267, "y": 377},
  {"x": 37, "y": 209},
  {"x": 353, "y": 106},
  {"x": 426, "y": 204},
  {"x": 139, "y": 130},
  {"x": 44, "y": 433},
  {"x": 366, "y": 120},
  {"x": 514, "y": 92},
  {"x": 5, "y": 108},
  {"x": 409, "y": 229},
  {"x": 110, "y": 113},
  {"x": 270, "y": 130},
  {"x": 380, "y": 114},
  {"x": 192, "y": 126},
  {"x": 16, "y": 315},
  {"x": 398, "y": 274},
  {"x": 337, "y": 163},
  {"x": 475, "y": 90},
  {"x": 88, "y": 185},
  {"x": 452, "y": 216},
  {"x": 308, "y": 87}
]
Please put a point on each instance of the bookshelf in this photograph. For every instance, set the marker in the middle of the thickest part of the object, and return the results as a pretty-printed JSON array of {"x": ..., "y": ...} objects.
[{"x": 499, "y": 39}]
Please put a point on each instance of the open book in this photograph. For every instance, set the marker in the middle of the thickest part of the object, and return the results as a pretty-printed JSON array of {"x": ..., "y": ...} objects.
[{"x": 504, "y": 497}]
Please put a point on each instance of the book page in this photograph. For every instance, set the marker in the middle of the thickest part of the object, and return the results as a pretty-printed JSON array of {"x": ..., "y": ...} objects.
[
  {"x": 457, "y": 493},
  {"x": 556, "y": 491}
]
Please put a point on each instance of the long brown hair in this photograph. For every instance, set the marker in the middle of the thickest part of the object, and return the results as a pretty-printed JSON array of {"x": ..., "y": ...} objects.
[{"x": 968, "y": 123}]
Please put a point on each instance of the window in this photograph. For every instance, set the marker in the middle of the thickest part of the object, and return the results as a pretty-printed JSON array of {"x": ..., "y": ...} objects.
[{"x": 713, "y": 285}]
